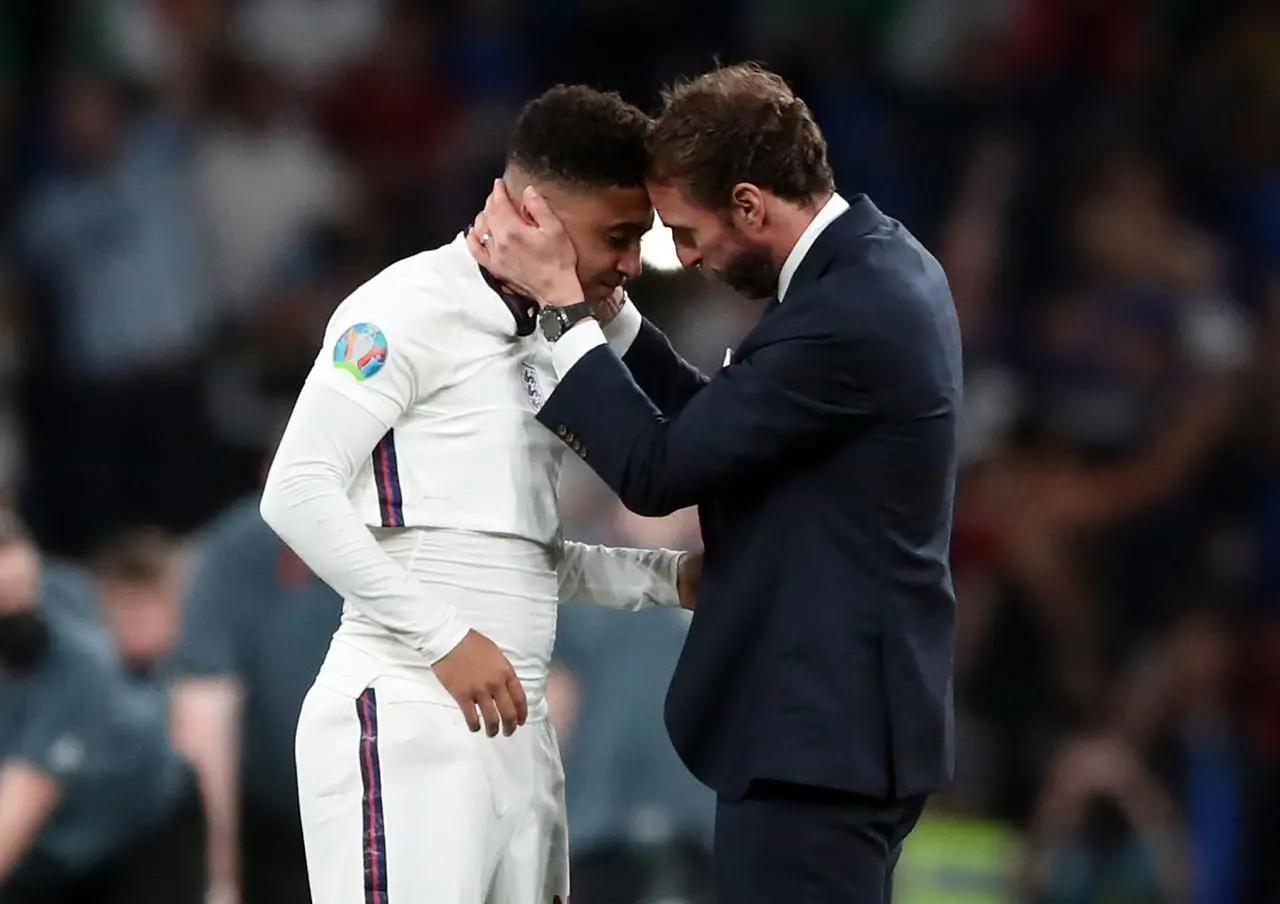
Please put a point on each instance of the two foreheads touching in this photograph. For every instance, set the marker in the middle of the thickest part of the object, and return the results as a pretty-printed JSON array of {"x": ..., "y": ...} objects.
[{"x": 736, "y": 124}]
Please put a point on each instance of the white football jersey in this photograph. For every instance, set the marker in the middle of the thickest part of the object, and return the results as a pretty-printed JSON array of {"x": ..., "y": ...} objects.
[
  {"x": 433, "y": 351},
  {"x": 451, "y": 523}
]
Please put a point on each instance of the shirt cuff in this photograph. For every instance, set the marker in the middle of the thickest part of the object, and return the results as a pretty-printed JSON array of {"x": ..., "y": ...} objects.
[
  {"x": 569, "y": 349},
  {"x": 444, "y": 638},
  {"x": 622, "y": 330},
  {"x": 665, "y": 589}
]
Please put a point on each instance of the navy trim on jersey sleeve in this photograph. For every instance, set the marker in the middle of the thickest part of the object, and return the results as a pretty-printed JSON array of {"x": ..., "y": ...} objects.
[{"x": 386, "y": 477}]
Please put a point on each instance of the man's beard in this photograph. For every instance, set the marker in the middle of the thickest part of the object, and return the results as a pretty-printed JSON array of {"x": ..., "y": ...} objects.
[{"x": 751, "y": 272}]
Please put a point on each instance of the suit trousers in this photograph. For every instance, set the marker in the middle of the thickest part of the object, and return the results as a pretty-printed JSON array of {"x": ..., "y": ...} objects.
[{"x": 806, "y": 845}]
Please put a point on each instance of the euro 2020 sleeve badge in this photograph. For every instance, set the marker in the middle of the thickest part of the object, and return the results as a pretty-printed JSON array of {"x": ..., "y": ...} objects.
[{"x": 361, "y": 351}]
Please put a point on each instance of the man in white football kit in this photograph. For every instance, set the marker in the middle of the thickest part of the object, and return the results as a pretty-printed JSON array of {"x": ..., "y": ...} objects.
[{"x": 415, "y": 480}]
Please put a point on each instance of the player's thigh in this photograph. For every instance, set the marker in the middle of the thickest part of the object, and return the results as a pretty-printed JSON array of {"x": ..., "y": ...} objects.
[
  {"x": 534, "y": 864},
  {"x": 395, "y": 803}
]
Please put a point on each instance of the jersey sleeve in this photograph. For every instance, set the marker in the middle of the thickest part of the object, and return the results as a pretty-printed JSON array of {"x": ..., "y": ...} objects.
[
  {"x": 628, "y": 579},
  {"x": 305, "y": 502},
  {"x": 385, "y": 348}
]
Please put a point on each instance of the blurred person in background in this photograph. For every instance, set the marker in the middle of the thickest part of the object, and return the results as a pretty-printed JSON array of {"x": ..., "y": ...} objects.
[
  {"x": 306, "y": 42},
  {"x": 255, "y": 626},
  {"x": 1104, "y": 830},
  {"x": 265, "y": 181},
  {"x": 13, "y": 360},
  {"x": 1181, "y": 707},
  {"x": 140, "y": 575},
  {"x": 111, "y": 240},
  {"x": 96, "y": 806},
  {"x": 393, "y": 119},
  {"x": 1139, "y": 379}
]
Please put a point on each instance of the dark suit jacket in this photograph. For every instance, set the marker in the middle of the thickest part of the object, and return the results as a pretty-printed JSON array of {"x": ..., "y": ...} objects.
[{"x": 822, "y": 460}]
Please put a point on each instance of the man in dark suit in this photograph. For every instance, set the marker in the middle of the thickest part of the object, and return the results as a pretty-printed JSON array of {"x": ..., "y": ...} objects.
[{"x": 814, "y": 691}]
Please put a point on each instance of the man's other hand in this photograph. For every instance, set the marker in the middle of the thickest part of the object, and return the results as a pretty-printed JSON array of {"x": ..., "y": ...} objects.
[
  {"x": 689, "y": 580},
  {"x": 479, "y": 677},
  {"x": 605, "y": 311},
  {"x": 527, "y": 249}
]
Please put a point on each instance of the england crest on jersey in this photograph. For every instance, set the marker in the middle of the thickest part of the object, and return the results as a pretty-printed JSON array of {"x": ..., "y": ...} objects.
[{"x": 532, "y": 388}]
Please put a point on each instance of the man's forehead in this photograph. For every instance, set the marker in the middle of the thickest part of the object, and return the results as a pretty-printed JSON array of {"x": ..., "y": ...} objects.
[{"x": 673, "y": 204}]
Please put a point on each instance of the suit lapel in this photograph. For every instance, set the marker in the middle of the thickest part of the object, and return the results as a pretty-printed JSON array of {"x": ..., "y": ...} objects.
[{"x": 861, "y": 218}]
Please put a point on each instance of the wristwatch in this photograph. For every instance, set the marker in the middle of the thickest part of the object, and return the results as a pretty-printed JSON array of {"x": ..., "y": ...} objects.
[{"x": 555, "y": 321}]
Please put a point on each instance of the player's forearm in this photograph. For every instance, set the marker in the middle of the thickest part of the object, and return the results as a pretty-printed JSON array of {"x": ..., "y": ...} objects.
[
  {"x": 305, "y": 502},
  {"x": 618, "y": 578},
  {"x": 27, "y": 799}
]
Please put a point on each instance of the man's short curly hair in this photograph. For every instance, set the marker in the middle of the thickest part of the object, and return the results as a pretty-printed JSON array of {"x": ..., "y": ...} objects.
[
  {"x": 579, "y": 136},
  {"x": 735, "y": 124}
]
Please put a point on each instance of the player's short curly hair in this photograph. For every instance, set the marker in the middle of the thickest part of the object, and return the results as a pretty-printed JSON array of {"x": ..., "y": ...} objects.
[
  {"x": 735, "y": 124},
  {"x": 579, "y": 136}
]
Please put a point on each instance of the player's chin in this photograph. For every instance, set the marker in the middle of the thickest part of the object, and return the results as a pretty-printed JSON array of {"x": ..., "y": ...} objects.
[{"x": 601, "y": 291}]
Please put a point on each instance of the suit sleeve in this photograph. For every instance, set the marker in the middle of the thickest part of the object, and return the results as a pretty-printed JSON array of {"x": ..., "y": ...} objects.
[
  {"x": 627, "y": 579},
  {"x": 665, "y": 377},
  {"x": 796, "y": 394}
]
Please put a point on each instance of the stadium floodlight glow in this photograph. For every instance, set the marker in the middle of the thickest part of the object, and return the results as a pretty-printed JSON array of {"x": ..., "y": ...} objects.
[{"x": 658, "y": 249}]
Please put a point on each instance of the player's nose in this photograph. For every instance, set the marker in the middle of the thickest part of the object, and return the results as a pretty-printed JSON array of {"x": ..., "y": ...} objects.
[
  {"x": 689, "y": 258},
  {"x": 629, "y": 264}
]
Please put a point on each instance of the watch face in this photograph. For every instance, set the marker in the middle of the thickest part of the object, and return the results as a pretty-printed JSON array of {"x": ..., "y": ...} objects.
[{"x": 552, "y": 325}]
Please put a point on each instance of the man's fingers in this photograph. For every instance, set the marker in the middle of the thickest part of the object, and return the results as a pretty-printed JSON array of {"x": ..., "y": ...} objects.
[
  {"x": 478, "y": 251},
  {"x": 539, "y": 211},
  {"x": 499, "y": 207}
]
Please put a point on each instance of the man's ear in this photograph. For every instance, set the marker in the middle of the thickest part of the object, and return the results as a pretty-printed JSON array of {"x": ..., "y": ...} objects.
[{"x": 747, "y": 207}]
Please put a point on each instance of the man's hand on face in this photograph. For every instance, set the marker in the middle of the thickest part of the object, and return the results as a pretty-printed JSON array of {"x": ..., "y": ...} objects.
[{"x": 531, "y": 253}]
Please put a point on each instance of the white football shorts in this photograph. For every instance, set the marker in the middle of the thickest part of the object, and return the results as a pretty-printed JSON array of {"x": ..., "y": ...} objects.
[{"x": 401, "y": 802}]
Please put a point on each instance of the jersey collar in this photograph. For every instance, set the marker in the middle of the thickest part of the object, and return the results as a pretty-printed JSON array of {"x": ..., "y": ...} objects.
[{"x": 524, "y": 310}]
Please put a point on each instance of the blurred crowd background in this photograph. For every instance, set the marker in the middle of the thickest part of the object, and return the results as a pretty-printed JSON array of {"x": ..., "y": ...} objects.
[{"x": 188, "y": 188}]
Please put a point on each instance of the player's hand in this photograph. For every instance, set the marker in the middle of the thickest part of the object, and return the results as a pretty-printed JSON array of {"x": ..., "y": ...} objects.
[
  {"x": 479, "y": 677},
  {"x": 527, "y": 249},
  {"x": 689, "y": 580}
]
